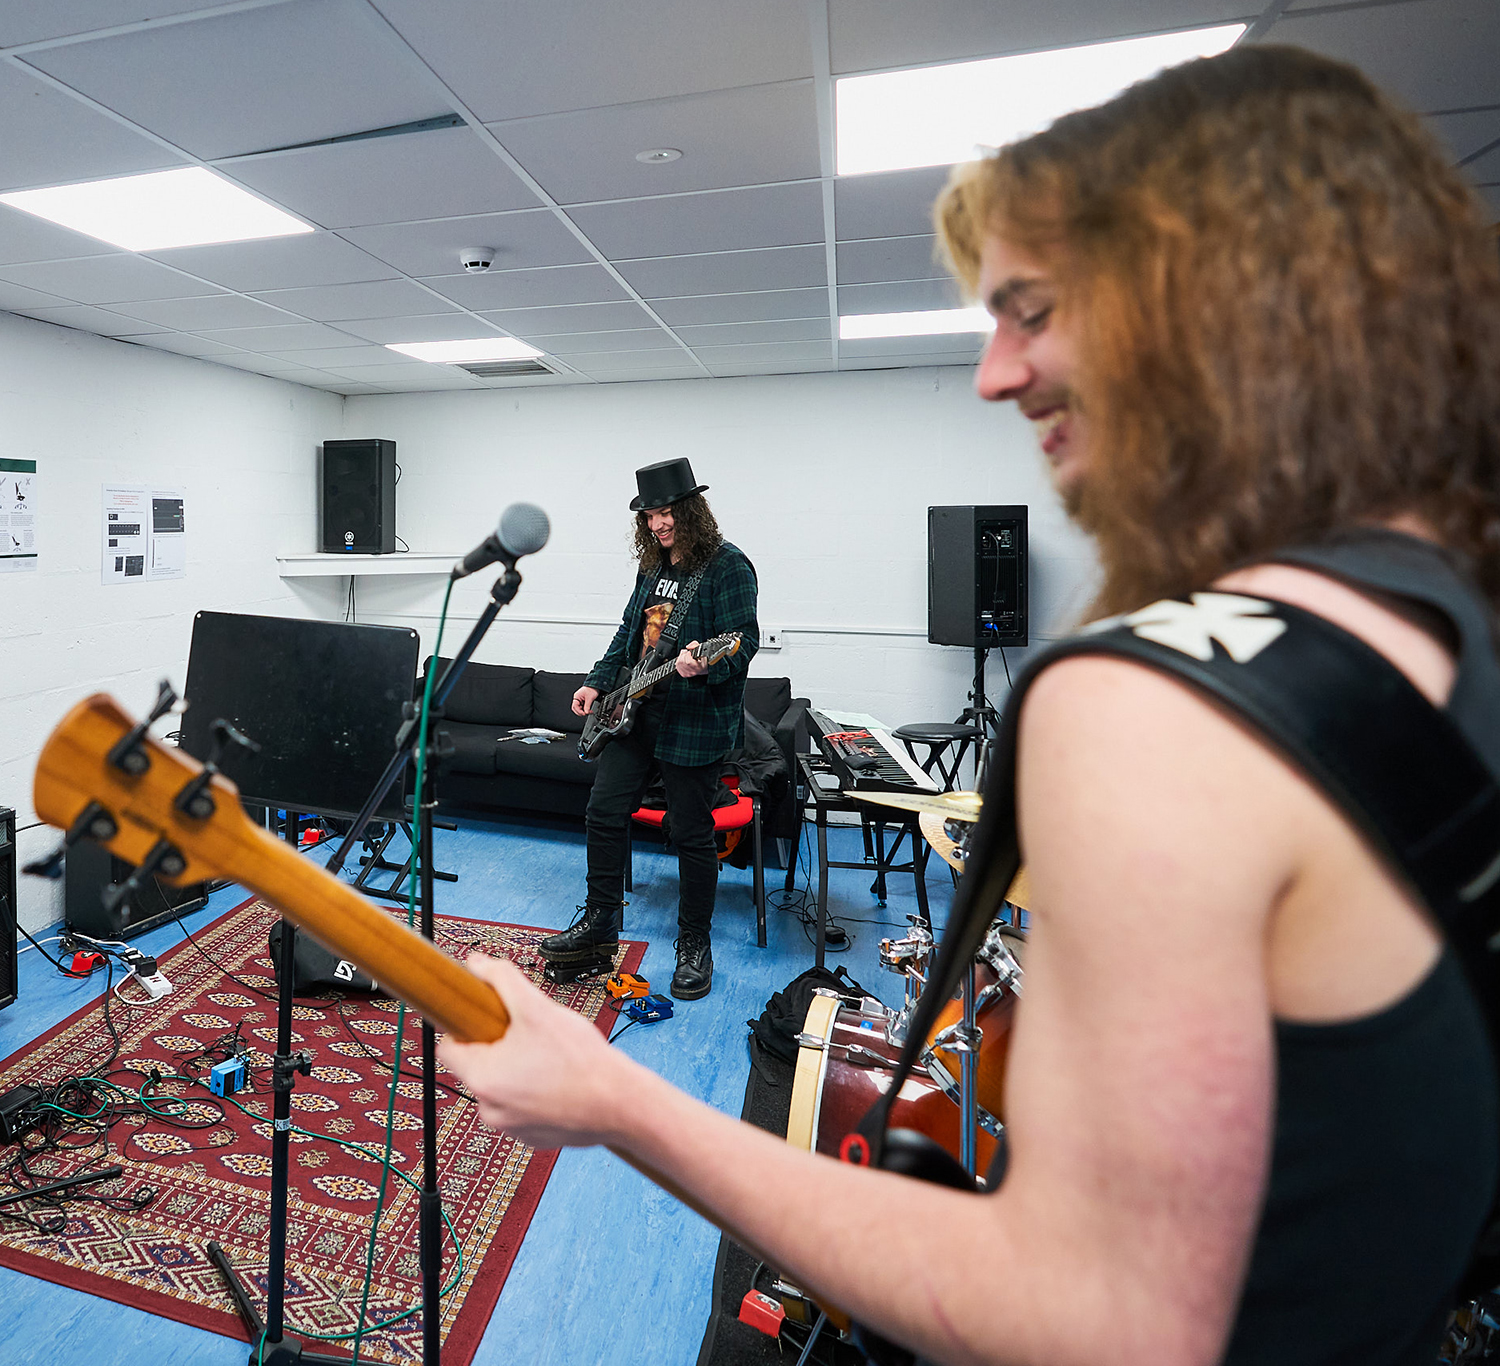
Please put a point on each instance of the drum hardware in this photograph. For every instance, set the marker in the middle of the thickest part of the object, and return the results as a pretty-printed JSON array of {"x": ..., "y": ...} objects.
[
  {"x": 966, "y": 1042},
  {"x": 865, "y": 1057},
  {"x": 806, "y": 1040}
]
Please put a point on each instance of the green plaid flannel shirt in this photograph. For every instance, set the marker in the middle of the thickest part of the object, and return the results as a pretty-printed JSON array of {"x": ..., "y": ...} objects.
[{"x": 705, "y": 716}]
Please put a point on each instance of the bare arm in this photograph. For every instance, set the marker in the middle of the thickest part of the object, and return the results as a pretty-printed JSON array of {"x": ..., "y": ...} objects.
[{"x": 1140, "y": 1084}]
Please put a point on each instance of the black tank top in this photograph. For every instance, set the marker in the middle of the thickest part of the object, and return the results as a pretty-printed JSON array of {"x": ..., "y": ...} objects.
[{"x": 1384, "y": 1154}]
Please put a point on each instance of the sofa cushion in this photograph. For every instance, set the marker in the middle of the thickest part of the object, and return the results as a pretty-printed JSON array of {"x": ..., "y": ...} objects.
[
  {"x": 491, "y": 695},
  {"x": 557, "y": 760},
  {"x": 473, "y": 747},
  {"x": 552, "y": 701},
  {"x": 766, "y": 699}
]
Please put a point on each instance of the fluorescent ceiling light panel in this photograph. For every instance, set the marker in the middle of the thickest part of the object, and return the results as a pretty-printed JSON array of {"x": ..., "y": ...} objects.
[
  {"x": 185, "y": 208},
  {"x": 932, "y": 323},
  {"x": 472, "y": 348},
  {"x": 936, "y": 115}
]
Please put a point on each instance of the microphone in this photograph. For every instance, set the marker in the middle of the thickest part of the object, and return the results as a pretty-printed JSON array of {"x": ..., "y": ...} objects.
[{"x": 523, "y": 530}]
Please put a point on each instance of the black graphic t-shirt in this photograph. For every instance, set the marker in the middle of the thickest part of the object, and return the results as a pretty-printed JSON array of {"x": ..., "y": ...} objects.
[{"x": 659, "y": 604}]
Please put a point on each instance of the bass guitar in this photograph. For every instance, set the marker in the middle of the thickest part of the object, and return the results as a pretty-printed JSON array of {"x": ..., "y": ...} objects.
[{"x": 613, "y": 713}]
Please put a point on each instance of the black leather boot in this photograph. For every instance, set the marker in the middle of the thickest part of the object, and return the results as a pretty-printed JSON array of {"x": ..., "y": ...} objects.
[
  {"x": 695, "y": 965},
  {"x": 595, "y": 932}
]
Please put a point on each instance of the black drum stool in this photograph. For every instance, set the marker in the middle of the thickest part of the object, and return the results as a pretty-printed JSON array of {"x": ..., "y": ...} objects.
[{"x": 940, "y": 737}]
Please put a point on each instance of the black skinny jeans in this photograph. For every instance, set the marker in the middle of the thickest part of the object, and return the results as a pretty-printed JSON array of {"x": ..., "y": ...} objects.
[{"x": 624, "y": 769}]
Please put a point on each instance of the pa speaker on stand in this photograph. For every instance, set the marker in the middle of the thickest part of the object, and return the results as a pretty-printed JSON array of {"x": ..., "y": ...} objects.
[
  {"x": 358, "y": 487},
  {"x": 977, "y": 588}
]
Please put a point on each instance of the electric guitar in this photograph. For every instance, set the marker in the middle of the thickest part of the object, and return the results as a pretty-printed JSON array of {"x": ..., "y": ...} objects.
[{"x": 613, "y": 713}]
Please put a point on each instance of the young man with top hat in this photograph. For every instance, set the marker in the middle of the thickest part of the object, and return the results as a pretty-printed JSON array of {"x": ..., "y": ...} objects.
[{"x": 692, "y": 585}]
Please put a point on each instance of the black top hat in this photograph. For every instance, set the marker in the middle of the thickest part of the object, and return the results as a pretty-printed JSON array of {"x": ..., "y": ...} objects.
[{"x": 663, "y": 483}]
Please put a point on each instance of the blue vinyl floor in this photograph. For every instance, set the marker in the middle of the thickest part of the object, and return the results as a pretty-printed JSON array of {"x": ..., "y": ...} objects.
[{"x": 611, "y": 1269}]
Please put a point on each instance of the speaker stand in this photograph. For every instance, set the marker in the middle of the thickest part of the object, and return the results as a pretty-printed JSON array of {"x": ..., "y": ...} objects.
[{"x": 979, "y": 713}]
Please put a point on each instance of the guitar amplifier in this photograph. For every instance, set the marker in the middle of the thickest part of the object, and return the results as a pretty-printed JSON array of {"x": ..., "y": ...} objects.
[
  {"x": 7, "y": 906},
  {"x": 90, "y": 869}
]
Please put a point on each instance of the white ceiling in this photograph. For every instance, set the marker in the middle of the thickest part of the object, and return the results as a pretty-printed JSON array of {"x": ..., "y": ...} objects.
[{"x": 735, "y": 259}]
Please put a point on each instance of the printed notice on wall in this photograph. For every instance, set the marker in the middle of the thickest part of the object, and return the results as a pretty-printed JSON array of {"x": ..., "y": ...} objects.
[
  {"x": 127, "y": 532},
  {"x": 17, "y": 516},
  {"x": 168, "y": 554}
]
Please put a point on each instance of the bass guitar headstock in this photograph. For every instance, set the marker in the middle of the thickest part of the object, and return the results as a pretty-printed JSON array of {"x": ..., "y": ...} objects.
[{"x": 103, "y": 777}]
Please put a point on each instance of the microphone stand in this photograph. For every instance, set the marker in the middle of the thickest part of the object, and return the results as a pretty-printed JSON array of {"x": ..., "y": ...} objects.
[{"x": 278, "y": 1349}]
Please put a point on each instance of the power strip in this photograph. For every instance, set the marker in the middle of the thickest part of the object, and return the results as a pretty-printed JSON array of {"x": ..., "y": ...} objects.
[{"x": 154, "y": 984}]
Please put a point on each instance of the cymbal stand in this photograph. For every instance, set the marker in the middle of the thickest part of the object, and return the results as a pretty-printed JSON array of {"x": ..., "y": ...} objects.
[{"x": 965, "y": 1042}]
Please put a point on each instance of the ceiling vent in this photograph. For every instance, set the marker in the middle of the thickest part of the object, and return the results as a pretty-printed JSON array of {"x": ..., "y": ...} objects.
[{"x": 506, "y": 369}]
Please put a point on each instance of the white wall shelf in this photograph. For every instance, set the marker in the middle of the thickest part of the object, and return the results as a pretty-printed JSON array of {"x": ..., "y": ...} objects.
[{"x": 341, "y": 566}]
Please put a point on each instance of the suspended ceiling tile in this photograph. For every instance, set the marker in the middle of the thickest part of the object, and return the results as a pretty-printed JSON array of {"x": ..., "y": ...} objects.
[
  {"x": 724, "y": 220},
  {"x": 513, "y": 61},
  {"x": 763, "y": 353},
  {"x": 744, "y": 308},
  {"x": 196, "y": 315},
  {"x": 747, "y": 136},
  {"x": 665, "y": 357},
  {"x": 909, "y": 296},
  {"x": 184, "y": 344},
  {"x": 436, "y": 174},
  {"x": 122, "y": 278},
  {"x": 15, "y": 298},
  {"x": 618, "y": 317},
  {"x": 729, "y": 334},
  {"x": 644, "y": 376},
  {"x": 22, "y": 22},
  {"x": 50, "y": 138},
  {"x": 266, "y": 365},
  {"x": 288, "y": 336},
  {"x": 891, "y": 204},
  {"x": 25, "y": 237},
  {"x": 889, "y": 258},
  {"x": 252, "y": 80},
  {"x": 1434, "y": 54},
  {"x": 407, "y": 373},
  {"x": 453, "y": 326},
  {"x": 586, "y": 343},
  {"x": 372, "y": 299},
  {"x": 745, "y": 370},
  {"x": 727, "y": 272},
  {"x": 904, "y": 362},
  {"x": 341, "y": 357},
  {"x": 966, "y": 346},
  {"x": 279, "y": 262},
  {"x": 868, "y": 35},
  {"x": 521, "y": 241},
  {"x": 103, "y": 322},
  {"x": 1466, "y": 133},
  {"x": 530, "y": 288}
]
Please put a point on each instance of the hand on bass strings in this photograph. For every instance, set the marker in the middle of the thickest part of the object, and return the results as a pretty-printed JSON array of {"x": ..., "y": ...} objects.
[
  {"x": 553, "y": 1081},
  {"x": 688, "y": 664},
  {"x": 583, "y": 700}
]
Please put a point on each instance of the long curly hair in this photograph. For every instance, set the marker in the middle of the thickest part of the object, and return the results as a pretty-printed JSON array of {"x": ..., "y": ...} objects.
[
  {"x": 696, "y": 536},
  {"x": 1287, "y": 306}
]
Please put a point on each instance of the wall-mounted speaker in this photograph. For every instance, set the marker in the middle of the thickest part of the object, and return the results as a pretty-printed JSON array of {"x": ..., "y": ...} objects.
[
  {"x": 977, "y": 577},
  {"x": 358, "y": 488}
]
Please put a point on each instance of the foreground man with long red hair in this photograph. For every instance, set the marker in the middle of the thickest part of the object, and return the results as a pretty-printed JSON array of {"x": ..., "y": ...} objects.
[{"x": 1251, "y": 1107}]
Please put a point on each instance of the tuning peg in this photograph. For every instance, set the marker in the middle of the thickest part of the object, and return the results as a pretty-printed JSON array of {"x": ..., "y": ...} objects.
[
  {"x": 195, "y": 799},
  {"x": 93, "y": 822},
  {"x": 129, "y": 755},
  {"x": 50, "y": 866}
]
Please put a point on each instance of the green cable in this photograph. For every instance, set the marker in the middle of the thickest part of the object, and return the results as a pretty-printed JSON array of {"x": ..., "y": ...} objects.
[{"x": 411, "y": 916}]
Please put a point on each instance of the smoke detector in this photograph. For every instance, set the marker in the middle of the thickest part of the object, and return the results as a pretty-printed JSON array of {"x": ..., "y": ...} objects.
[{"x": 476, "y": 260}]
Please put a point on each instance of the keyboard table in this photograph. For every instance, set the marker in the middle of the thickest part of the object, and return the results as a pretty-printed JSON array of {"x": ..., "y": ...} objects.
[{"x": 872, "y": 817}]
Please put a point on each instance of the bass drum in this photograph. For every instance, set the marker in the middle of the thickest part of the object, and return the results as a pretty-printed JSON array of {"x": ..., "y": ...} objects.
[{"x": 845, "y": 1066}]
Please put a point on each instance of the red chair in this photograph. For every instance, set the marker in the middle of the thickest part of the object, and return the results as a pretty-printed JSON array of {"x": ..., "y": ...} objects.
[{"x": 735, "y": 817}]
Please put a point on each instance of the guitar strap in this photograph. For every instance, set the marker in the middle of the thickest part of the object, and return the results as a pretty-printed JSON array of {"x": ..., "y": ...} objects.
[
  {"x": 668, "y": 639},
  {"x": 1398, "y": 767}
]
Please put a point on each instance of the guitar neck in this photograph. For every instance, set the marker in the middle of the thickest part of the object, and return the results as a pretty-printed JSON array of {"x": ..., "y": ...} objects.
[
  {"x": 405, "y": 964},
  {"x": 647, "y": 680}
]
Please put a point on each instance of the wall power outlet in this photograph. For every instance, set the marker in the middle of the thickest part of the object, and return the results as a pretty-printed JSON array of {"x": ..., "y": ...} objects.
[{"x": 770, "y": 638}]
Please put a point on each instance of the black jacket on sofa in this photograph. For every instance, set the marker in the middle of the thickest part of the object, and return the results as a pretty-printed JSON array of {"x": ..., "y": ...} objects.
[{"x": 489, "y": 771}]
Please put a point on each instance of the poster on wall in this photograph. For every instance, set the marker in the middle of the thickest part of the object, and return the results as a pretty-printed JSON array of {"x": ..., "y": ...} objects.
[
  {"x": 127, "y": 532},
  {"x": 168, "y": 553},
  {"x": 17, "y": 516}
]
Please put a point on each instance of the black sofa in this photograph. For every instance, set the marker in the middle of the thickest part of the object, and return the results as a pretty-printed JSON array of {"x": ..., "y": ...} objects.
[{"x": 489, "y": 772}]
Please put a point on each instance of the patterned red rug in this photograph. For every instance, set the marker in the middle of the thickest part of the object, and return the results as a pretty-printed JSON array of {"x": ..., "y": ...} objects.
[{"x": 213, "y": 1181}]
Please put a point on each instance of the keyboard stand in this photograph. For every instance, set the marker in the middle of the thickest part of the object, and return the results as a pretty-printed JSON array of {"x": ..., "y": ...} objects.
[{"x": 871, "y": 816}]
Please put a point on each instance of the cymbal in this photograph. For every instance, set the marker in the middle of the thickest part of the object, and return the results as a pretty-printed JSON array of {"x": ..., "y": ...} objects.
[{"x": 957, "y": 806}]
